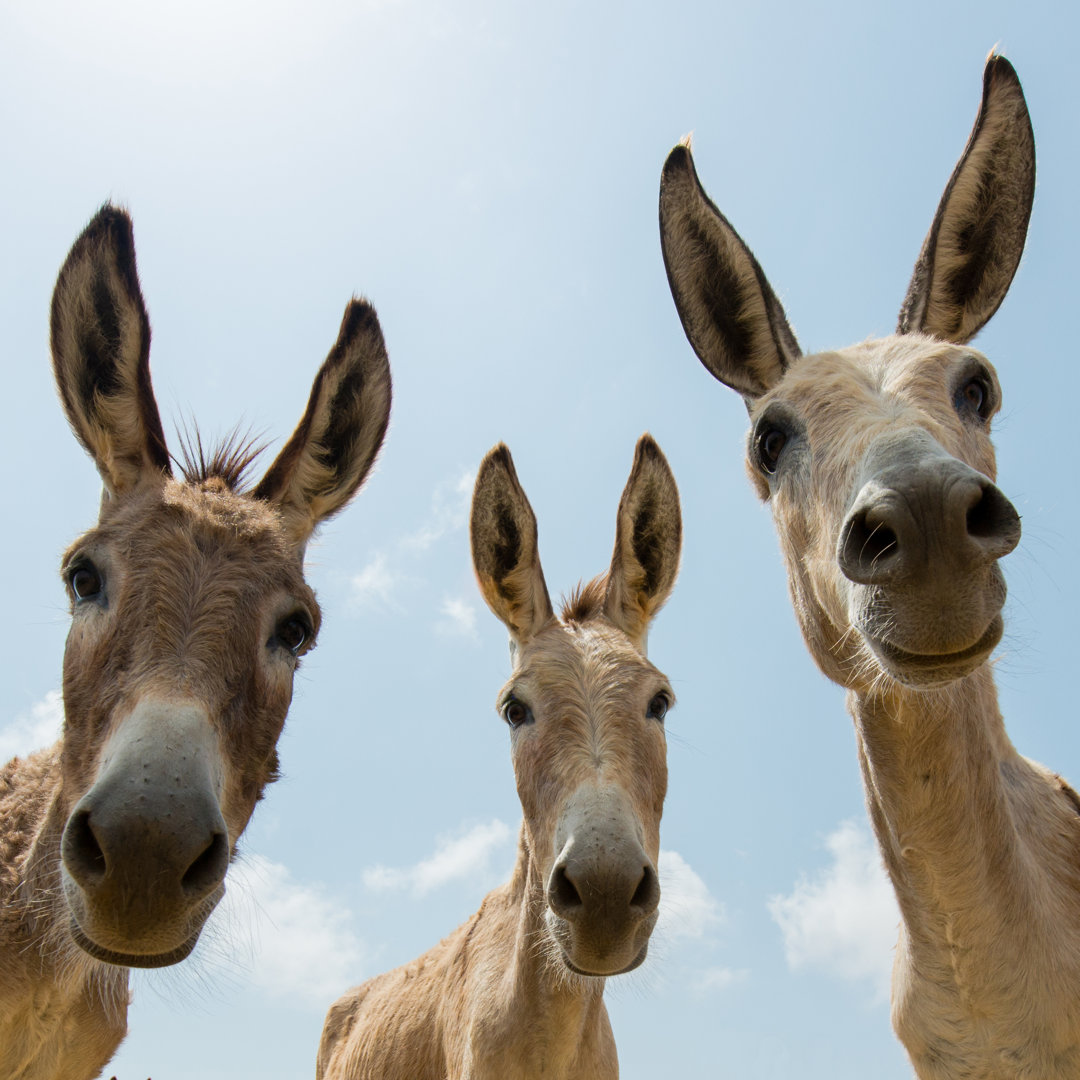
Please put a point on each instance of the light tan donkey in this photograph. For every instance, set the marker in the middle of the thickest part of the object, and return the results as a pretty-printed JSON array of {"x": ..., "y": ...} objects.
[
  {"x": 189, "y": 617},
  {"x": 877, "y": 463},
  {"x": 517, "y": 991}
]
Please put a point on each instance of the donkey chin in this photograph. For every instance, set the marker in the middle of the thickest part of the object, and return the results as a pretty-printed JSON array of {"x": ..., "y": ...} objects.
[
  {"x": 931, "y": 644},
  {"x": 146, "y": 942},
  {"x": 598, "y": 955}
]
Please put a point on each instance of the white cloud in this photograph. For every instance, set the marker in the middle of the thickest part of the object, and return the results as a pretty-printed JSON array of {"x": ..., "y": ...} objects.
[
  {"x": 844, "y": 920},
  {"x": 454, "y": 858},
  {"x": 449, "y": 512},
  {"x": 459, "y": 618},
  {"x": 375, "y": 585},
  {"x": 720, "y": 978},
  {"x": 31, "y": 731},
  {"x": 687, "y": 908},
  {"x": 300, "y": 941}
]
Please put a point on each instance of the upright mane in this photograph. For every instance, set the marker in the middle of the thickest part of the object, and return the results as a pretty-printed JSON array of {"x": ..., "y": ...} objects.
[
  {"x": 228, "y": 461},
  {"x": 585, "y": 600}
]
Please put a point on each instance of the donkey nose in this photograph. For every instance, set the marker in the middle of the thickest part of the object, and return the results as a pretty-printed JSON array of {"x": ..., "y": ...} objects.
[
  {"x": 105, "y": 851},
  {"x": 584, "y": 889},
  {"x": 901, "y": 516}
]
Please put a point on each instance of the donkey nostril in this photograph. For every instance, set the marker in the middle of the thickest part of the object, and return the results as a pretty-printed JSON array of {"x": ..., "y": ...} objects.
[
  {"x": 992, "y": 517},
  {"x": 869, "y": 547},
  {"x": 878, "y": 540},
  {"x": 563, "y": 894},
  {"x": 208, "y": 869},
  {"x": 647, "y": 894},
  {"x": 81, "y": 851}
]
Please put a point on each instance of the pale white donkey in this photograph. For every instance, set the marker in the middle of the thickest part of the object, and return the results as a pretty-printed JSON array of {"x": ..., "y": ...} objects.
[{"x": 877, "y": 463}]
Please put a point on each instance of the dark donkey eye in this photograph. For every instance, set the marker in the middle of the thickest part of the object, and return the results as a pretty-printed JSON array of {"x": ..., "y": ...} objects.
[
  {"x": 516, "y": 713},
  {"x": 770, "y": 443},
  {"x": 975, "y": 394},
  {"x": 293, "y": 633},
  {"x": 85, "y": 581},
  {"x": 659, "y": 706}
]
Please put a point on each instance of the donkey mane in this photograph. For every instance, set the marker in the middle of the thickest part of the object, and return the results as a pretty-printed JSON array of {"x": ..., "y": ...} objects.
[
  {"x": 586, "y": 600},
  {"x": 228, "y": 461}
]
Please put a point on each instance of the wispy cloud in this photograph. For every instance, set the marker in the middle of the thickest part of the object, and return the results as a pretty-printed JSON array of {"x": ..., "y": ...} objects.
[
  {"x": 844, "y": 919},
  {"x": 383, "y": 580},
  {"x": 454, "y": 858},
  {"x": 687, "y": 908},
  {"x": 300, "y": 941},
  {"x": 376, "y": 585},
  {"x": 449, "y": 512},
  {"x": 720, "y": 978},
  {"x": 41, "y": 726},
  {"x": 459, "y": 618}
]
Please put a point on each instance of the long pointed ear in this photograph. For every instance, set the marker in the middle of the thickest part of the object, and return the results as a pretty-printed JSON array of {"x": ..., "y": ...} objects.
[
  {"x": 100, "y": 339},
  {"x": 648, "y": 542},
  {"x": 729, "y": 312},
  {"x": 335, "y": 444},
  {"x": 974, "y": 246},
  {"x": 502, "y": 531}
]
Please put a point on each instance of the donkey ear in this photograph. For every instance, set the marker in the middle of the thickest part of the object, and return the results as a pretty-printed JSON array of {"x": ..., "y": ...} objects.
[
  {"x": 974, "y": 245},
  {"x": 502, "y": 531},
  {"x": 100, "y": 339},
  {"x": 335, "y": 444},
  {"x": 729, "y": 312},
  {"x": 648, "y": 541}
]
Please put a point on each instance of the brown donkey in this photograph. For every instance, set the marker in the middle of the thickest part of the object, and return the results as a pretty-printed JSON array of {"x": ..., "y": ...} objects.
[
  {"x": 517, "y": 991},
  {"x": 189, "y": 615},
  {"x": 878, "y": 465}
]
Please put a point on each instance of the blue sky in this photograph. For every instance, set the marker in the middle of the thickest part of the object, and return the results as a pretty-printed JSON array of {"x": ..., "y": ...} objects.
[{"x": 487, "y": 174}]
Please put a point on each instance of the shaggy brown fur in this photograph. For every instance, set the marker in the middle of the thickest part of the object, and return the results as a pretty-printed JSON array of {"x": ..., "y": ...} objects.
[{"x": 189, "y": 615}]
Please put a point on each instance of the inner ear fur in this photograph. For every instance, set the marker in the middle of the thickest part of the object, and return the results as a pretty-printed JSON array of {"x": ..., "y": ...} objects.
[
  {"x": 506, "y": 558},
  {"x": 100, "y": 341},
  {"x": 334, "y": 446},
  {"x": 974, "y": 245},
  {"x": 729, "y": 311},
  {"x": 648, "y": 542}
]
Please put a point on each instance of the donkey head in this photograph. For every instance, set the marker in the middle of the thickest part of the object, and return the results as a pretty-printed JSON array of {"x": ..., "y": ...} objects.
[
  {"x": 877, "y": 459},
  {"x": 189, "y": 611},
  {"x": 586, "y": 709}
]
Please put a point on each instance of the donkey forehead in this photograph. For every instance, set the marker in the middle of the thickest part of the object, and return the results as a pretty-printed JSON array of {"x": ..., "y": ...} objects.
[
  {"x": 584, "y": 663},
  {"x": 181, "y": 522},
  {"x": 847, "y": 398}
]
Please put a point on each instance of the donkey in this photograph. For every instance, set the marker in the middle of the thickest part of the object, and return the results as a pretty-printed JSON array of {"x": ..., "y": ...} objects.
[
  {"x": 877, "y": 463},
  {"x": 518, "y": 989},
  {"x": 190, "y": 614}
]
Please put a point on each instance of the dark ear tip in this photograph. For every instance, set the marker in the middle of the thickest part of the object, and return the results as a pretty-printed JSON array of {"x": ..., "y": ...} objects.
[
  {"x": 110, "y": 228},
  {"x": 360, "y": 320},
  {"x": 997, "y": 67},
  {"x": 648, "y": 449},
  {"x": 679, "y": 161},
  {"x": 498, "y": 457}
]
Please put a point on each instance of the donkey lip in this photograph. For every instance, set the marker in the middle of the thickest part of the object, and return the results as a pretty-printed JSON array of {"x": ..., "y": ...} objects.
[
  {"x": 140, "y": 960},
  {"x": 903, "y": 658},
  {"x": 636, "y": 962}
]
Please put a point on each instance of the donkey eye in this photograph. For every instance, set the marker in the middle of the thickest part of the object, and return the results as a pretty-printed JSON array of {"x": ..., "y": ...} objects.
[
  {"x": 516, "y": 713},
  {"x": 659, "y": 706},
  {"x": 976, "y": 396},
  {"x": 770, "y": 443},
  {"x": 293, "y": 633},
  {"x": 85, "y": 582}
]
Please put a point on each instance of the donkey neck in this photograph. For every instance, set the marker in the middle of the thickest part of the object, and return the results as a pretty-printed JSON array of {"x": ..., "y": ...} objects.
[
  {"x": 62, "y": 1013},
  {"x": 944, "y": 786},
  {"x": 546, "y": 1013}
]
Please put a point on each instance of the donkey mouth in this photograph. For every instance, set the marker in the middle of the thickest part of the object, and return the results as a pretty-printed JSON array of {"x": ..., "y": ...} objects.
[
  {"x": 636, "y": 962},
  {"x": 124, "y": 959},
  {"x": 921, "y": 667}
]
